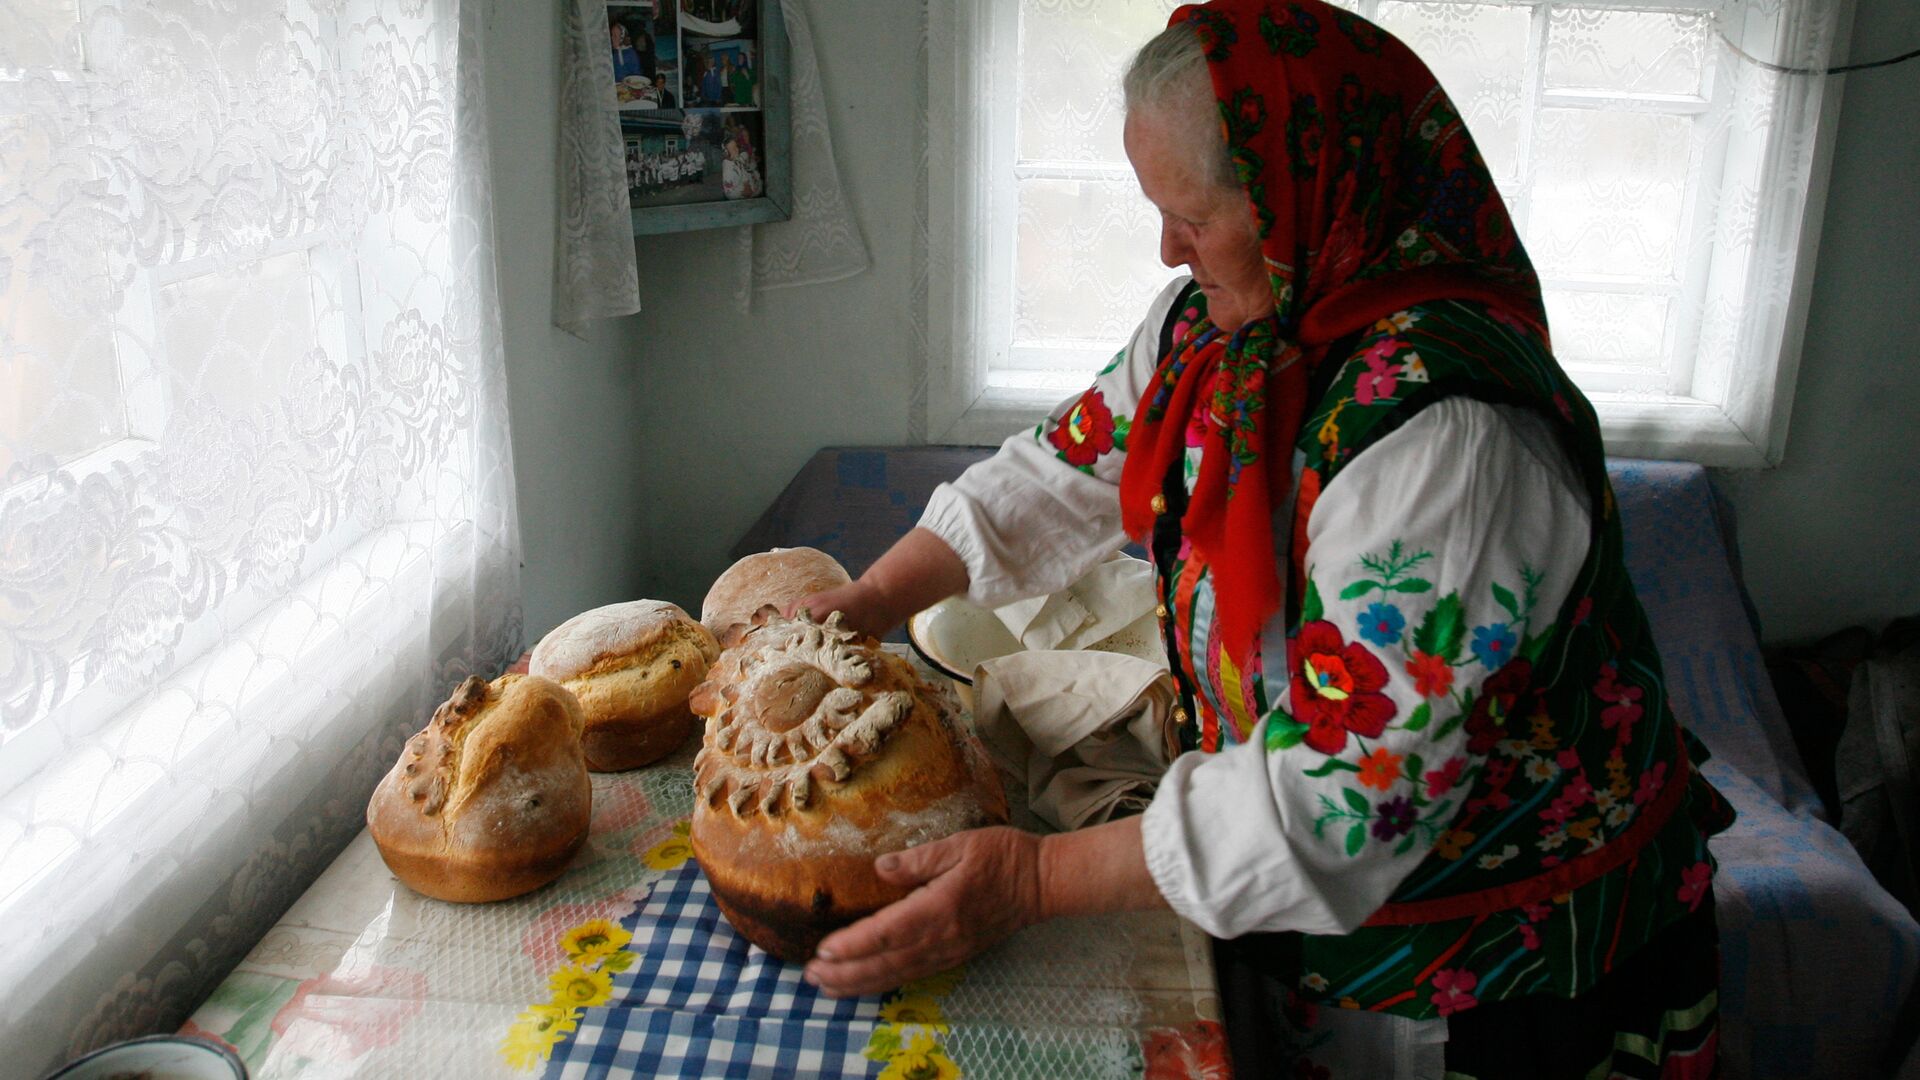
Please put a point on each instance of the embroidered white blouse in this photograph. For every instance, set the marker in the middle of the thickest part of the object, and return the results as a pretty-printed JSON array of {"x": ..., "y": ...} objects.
[{"x": 1467, "y": 504}]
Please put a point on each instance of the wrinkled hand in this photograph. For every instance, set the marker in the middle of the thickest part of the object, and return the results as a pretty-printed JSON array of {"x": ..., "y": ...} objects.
[
  {"x": 862, "y": 606},
  {"x": 975, "y": 888}
]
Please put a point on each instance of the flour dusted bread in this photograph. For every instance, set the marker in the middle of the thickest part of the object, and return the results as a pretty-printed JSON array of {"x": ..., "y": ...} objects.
[
  {"x": 632, "y": 666},
  {"x": 777, "y": 578},
  {"x": 821, "y": 752},
  {"x": 492, "y": 798}
]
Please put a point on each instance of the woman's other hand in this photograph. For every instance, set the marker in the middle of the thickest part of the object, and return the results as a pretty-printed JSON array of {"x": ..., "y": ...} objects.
[
  {"x": 916, "y": 572},
  {"x": 975, "y": 888},
  {"x": 858, "y": 602}
]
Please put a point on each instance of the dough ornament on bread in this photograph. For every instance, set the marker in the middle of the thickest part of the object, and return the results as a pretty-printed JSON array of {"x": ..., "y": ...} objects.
[
  {"x": 776, "y": 578},
  {"x": 632, "y": 666},
  {"x": 823, "y": 751},
  {"x": 490, "y": 799}
]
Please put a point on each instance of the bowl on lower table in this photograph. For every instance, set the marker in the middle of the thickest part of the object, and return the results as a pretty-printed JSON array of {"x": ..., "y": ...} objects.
[{"x": 156, "y": 1057}]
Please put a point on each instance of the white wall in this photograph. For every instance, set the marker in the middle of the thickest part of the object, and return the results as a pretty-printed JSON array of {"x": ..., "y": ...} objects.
[
  {"x": 732, "y": 405},
  {"x": 580, "y": 457},
  {"x": 1830, "y": 536},
  {"x": 645, "y": 454}
]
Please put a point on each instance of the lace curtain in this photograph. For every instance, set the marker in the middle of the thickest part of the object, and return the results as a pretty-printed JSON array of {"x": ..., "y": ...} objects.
[
  {"x": 596, "y": 271},
  {"x": 256, "y": 492}
]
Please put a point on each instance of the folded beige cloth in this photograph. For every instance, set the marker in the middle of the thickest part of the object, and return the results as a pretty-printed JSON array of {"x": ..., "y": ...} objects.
[
  {"x": 1089, "y": 731},
  {"x": 1107, "y": 599}
]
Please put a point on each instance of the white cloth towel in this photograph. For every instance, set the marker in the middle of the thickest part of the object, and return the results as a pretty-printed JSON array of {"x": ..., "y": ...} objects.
[
  {"x": 1089, "y": 732},
  {"x": 1110, "y": 597}
]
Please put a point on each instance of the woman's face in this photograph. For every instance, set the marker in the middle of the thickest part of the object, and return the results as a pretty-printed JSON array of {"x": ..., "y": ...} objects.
[{"x": 1203, "y": 226}]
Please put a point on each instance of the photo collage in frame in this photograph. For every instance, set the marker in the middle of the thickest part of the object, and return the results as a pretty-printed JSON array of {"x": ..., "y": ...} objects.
[{"x": 687, "y": 77}]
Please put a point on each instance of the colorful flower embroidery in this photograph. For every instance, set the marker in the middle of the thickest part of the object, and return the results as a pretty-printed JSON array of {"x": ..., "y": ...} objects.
[
  {"x": 1486, "y": 725},
  {"x": 1453, "y": 990},
  {"x": 1432, "y": 675},
  {"x": 1395, "y": 818},
  {"x": 1441, "y": 780},
  {"x": 1693, "y": 884},
  {"x": 1336, "y": 688},
  {"x": 1086, "y": 432},
  {"x": 1381, "y": 624},
  {"x": 1493, "y": 645},
  {"x": 1380, "y": 769}
]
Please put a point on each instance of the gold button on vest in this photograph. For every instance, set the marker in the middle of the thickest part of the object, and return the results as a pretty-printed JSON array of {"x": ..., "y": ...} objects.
[
  {"x": 1159, "y": 611},
  {"x": 1158, "y": 504},
  {"x": 1179, "y": 715}
]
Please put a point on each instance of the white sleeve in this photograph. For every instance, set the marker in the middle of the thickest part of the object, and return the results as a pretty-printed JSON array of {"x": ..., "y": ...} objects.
[
  {"x": 1041, "y": 512},
  {"x": 1438, "y": 554}
]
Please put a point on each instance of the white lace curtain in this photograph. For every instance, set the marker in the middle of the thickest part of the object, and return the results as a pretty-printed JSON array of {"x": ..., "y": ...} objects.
[
  {"x": 256, "y": 492},
  {"x": 595, "y": 269}
]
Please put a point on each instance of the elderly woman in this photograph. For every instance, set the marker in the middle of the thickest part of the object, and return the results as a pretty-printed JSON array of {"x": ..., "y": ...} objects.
[{"x": 1438, "y": 789}]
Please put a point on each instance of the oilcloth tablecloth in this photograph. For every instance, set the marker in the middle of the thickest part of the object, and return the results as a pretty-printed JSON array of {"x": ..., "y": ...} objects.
[{"x": 625, "y": 966}]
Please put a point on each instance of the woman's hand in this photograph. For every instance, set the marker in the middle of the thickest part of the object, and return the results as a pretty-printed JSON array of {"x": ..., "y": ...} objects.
[
  {"x": 915, "y": 572},
  {"x": 859, "y": 602},
  {"x": 975, "y": 888}
]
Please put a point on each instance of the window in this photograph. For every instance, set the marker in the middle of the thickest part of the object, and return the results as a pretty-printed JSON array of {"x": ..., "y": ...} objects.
[
  {"x": 1665, "y": 183},
  {"x": 256, "y": 493}
]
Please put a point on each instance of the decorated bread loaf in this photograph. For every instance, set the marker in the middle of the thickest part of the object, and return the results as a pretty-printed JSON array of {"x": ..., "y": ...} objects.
[
  {"x": 632, "y": 666},
  {"x": 776, "y": 578},
  {"x": 492, "y": 798},
  {"x": 821, "y": 752}
]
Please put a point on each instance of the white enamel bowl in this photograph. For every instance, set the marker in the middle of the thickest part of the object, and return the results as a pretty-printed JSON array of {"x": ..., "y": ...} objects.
[{"x": 162, "y": 1057}]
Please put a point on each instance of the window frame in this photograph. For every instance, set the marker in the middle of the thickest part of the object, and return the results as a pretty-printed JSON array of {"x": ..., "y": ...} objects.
[{"x": 1718, "y": 415}]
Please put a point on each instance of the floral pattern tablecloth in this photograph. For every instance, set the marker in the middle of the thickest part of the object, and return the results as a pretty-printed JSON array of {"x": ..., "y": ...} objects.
[{"x": 625, "y": 967}]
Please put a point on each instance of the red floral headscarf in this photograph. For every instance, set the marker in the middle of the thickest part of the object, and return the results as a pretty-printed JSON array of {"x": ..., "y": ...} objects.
[{"x": 1370, "y": 197}]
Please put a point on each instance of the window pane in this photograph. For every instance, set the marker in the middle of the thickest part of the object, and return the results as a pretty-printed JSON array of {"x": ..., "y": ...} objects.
[
  {"x": 1072, "y": 53},
  {"x": 1611, "y": 330},
  {"x": 59, "y": 382},
  {"x": 1087, "y": 261},
  {"x": 1643, "y": 52},
  {"x": 39, "y": 34},
  {"x": 1479, "y": 53},
  {"x": 1607, "y": 193},
  {"x": 235, "y": 335}
]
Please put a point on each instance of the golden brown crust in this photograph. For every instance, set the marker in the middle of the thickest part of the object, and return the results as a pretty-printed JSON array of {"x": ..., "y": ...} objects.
[
  {"x": 822, "y": 752},
  {"x": 770, "y": 578},
  {"x": 631, "y": 666},
  {"x": 492, "y": 798}
]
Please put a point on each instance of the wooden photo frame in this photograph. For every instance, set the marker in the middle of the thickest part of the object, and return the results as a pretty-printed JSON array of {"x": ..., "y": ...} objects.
[{"x": 705, "y": 116}]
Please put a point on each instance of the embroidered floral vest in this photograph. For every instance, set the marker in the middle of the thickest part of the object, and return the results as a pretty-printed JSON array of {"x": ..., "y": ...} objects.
[{"x": 1581, "y": 832}]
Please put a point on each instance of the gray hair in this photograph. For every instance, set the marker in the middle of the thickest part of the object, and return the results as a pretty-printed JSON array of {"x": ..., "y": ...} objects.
[{"x": 1169, "y": 74}]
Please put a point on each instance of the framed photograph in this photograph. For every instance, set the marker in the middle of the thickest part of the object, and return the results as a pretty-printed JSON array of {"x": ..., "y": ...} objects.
[{"x": 701, "y": 86}]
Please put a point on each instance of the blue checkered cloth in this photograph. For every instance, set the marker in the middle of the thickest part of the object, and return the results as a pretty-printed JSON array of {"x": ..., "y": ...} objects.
[{"x": 701, "y": 1002}]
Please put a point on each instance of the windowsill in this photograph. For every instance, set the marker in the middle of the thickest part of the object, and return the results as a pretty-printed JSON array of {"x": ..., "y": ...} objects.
[
  {"x": 213, "y": 745},
  {"x": 1664, "y": 428}
]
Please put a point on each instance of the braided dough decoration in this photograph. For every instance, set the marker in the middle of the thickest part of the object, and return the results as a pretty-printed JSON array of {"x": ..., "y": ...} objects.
[{"x": 823, "y": 751}]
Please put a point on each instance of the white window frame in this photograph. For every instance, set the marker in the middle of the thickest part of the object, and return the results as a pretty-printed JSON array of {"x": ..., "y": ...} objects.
[{"x": 1721, "y": 413}]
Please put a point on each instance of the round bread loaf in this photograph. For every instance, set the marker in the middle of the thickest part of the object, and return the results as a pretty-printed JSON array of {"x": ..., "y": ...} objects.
[
  {"x": 492, "y": 798},
  {"x": 777, "y": 578},
  {"x": 632, "y": 666},
  {"x": 822, "y": 751}
]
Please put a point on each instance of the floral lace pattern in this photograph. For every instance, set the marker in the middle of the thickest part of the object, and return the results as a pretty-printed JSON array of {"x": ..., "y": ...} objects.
[{"x": 256, "y": 404}]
